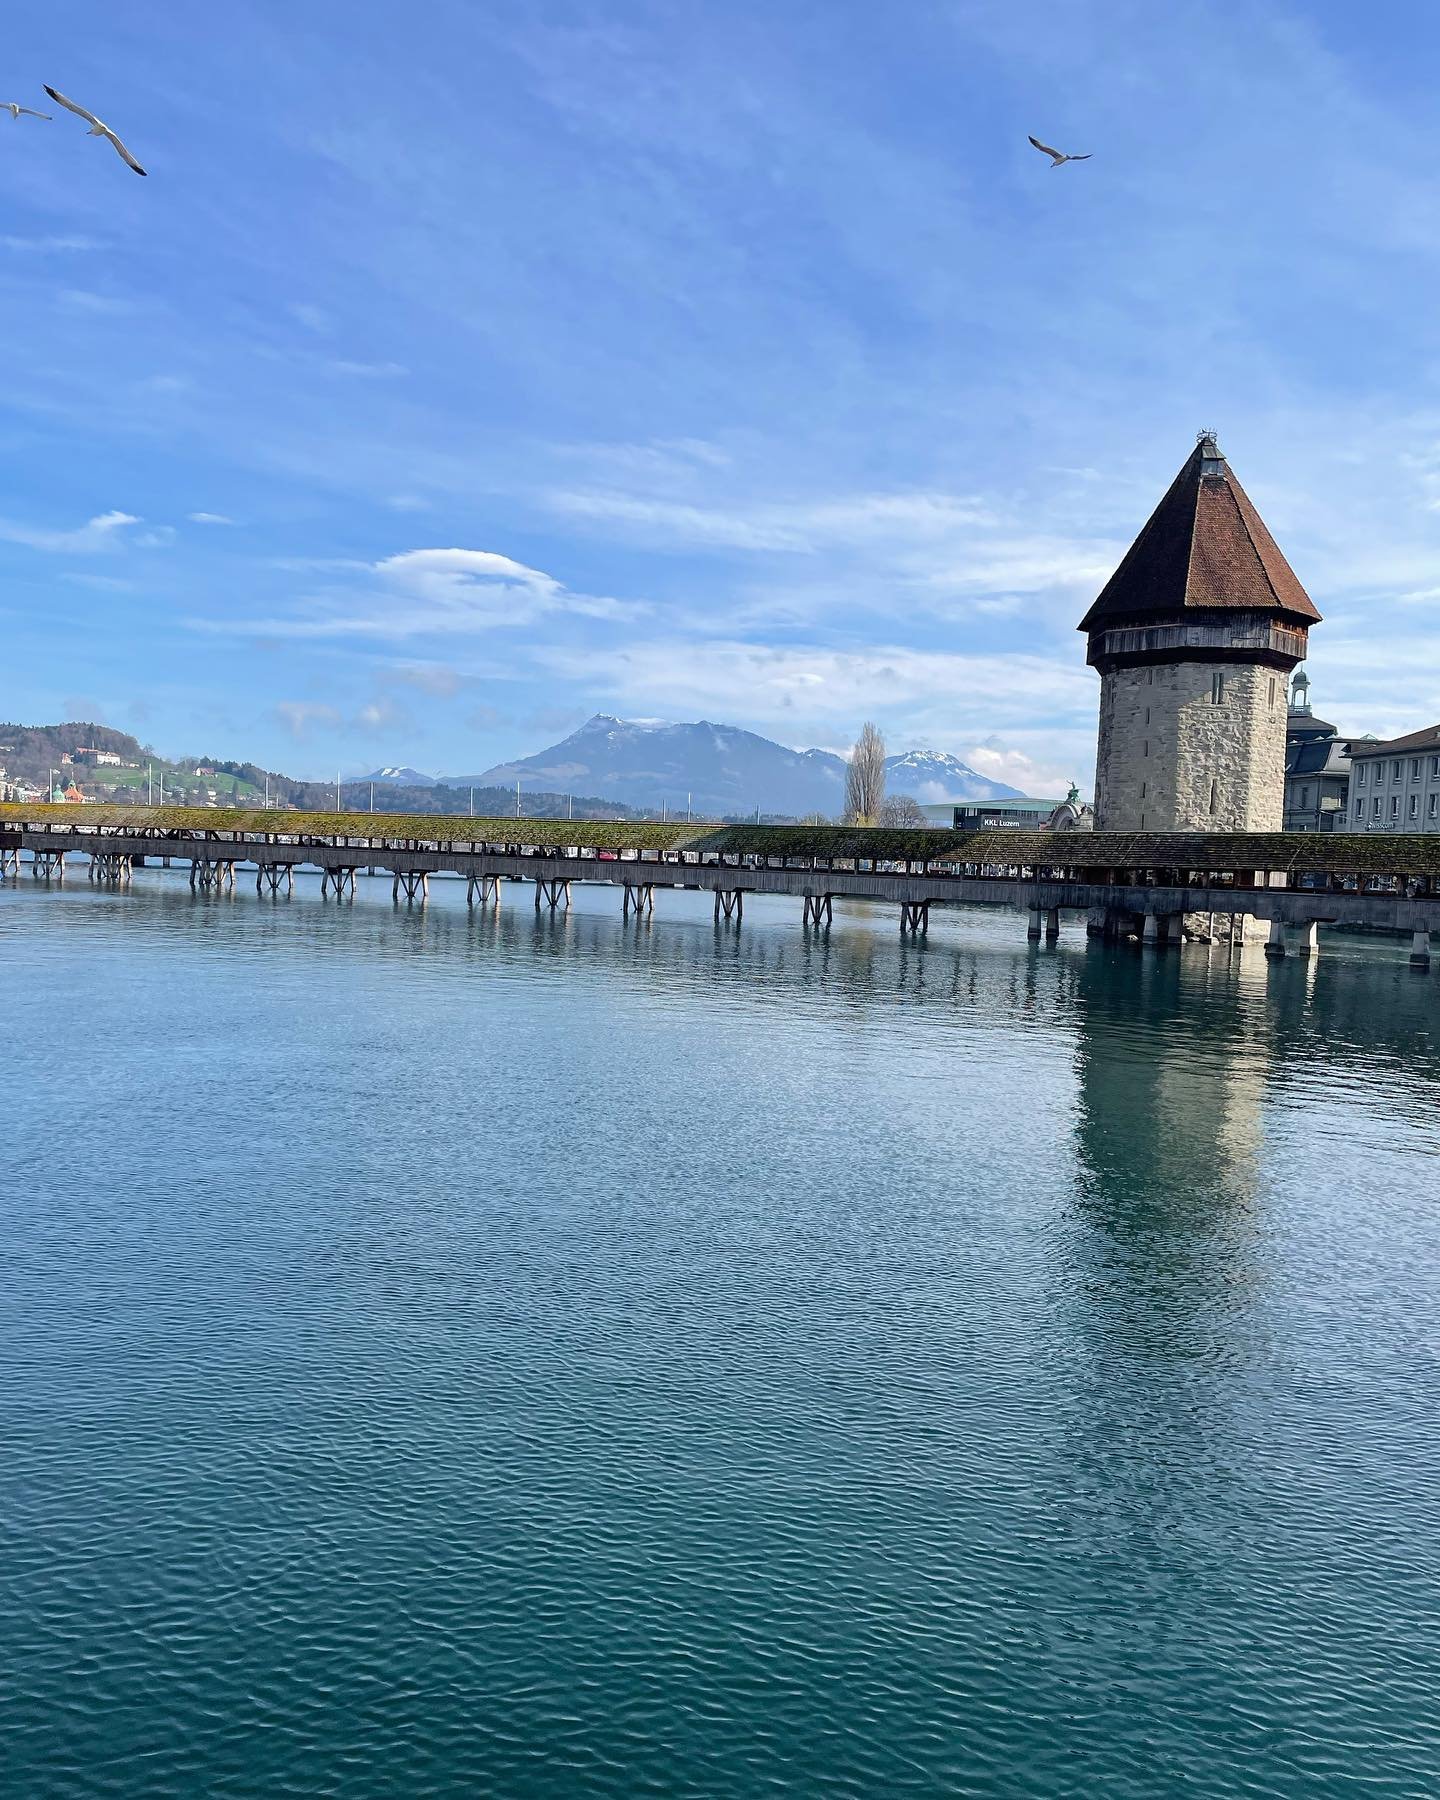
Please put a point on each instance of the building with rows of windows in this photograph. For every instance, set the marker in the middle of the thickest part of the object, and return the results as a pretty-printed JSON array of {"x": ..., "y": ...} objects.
[
  {"x": 1317, "y": 767},
  {"x": 1395, "y": 786}
]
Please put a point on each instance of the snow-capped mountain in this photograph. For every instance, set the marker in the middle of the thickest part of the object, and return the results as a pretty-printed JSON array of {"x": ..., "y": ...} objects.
[
  {"x": 400, "y": 778},
  {"x": 722, "y": 769},
  {"x": 934, "y": 775}
]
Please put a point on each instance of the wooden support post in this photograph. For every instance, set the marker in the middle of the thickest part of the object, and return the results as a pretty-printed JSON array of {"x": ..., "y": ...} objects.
[
  {"x": 639, "y": 898},
  {"x": 482, "y": 890},
  {"x": 111, "y": 866},
  {"x": 729, "y": 905},
  {"x": 1052, "y": 924},
  {"x": 1420, "y": 950},
  {"x": 1037, "y": 919},
  {"x": 819, "y": 910},
  {"x": 414, "y": 883},
  {"x": 554, "y": 892},
  {"x": 270, "y": 875},
  {"x": 914, "y": 917}
]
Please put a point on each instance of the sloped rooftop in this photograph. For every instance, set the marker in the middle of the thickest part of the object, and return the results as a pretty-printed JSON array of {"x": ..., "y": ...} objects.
[
  {"x": 1428, "y": 739},
  {"x": 1203, "y": 547}
]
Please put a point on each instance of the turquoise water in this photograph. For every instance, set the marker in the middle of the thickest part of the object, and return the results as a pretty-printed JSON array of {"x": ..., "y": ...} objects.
[{"x": 457, "y": 1356}]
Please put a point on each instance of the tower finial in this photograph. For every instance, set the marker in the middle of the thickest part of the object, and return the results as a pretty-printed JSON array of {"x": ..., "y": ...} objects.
[{"x": 1212, "y": 457}]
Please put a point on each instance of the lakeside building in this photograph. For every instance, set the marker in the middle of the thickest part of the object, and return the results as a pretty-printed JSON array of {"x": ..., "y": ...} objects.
[
  {"x": 1395, "y": 785},
  {"x": 1194, "y": 637},
  {"x": 992, "y": 815},
  {"x": 1317, "y": 767},
  {"x": 1019, "y": 814}
]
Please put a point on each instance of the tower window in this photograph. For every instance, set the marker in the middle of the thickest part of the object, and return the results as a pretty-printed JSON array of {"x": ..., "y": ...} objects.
[
  {"x": 1272, "y": 692},
  {"x": 1217, "y": 688},
  {"x": 1414, "y": 768},
  {"x": 1375, "y": 806},
  {"x": 1143, "y": 786},
  {"x": 1414, "y": 806},
  {"x": 1214, "y": 795},
  {"x": 1361, "y": 769},
  {"x": 1147, "y": 715}
]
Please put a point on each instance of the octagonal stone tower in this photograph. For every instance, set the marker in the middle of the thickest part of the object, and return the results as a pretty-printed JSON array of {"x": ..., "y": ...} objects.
[{"x": 1194, "y": 636}]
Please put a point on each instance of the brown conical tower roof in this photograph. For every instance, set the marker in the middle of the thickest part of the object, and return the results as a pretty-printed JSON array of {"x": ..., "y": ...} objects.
[{"x": 1204, "y": 546}]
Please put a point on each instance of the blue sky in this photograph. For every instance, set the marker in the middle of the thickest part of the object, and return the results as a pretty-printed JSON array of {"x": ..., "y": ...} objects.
[{"x": 464, "y": 369}]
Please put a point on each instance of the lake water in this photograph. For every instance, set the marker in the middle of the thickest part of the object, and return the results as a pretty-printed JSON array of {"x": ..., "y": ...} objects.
[{"x": 455, "y": 1355}]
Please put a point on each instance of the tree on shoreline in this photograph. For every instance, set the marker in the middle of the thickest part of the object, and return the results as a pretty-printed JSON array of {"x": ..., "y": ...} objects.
[
  {"x": 902, "y": 812},
  {"x": 865, "y": 777}
]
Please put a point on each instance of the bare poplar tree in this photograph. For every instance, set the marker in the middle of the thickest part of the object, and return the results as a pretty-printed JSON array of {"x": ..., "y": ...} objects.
[{"x": 865, "y": 777}]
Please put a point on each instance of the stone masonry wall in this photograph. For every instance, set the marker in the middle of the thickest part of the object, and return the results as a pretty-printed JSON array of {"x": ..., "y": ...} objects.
[{"x": 1172, "y": 758}]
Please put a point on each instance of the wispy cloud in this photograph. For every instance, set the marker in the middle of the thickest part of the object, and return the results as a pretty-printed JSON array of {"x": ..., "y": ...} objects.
[
  {"x": 208, "y": 518},
  {"x": 945, "y": 698},
  {"x": 46, "y": 244},
  {"x": 98, "y": 534},
  {"x": 433, "y": 592},
  {"x": 86, "y": 301},
  {"x": 302, "y": 717},
  {"x": 366, "y": 371},
  {"x": 313, "y": 318},
  {"x": 804, "y": 526}
]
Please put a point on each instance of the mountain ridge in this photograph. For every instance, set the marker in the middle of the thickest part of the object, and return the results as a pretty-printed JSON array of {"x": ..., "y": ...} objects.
[{"x": 721, "y": 769}]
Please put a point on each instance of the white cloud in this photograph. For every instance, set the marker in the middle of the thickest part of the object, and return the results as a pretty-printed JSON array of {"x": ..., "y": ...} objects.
[
  {"x": 429, "y": 678},
  {"x": 805, "y": 526},
  {"x": 84, "y": 300},
  {"x": 208, "y": 518},
  {"x": 108, "y": 584},
  {"x": 435, "y": 592},
  {"x": 366, "y": 371},
  {"x": 45, "y": 244},
  {"x": 300, "y": 717},
  {"x": 816, "y": 693},
  {"x": 381, "y": 715},
  {"x": 99, "y": 533},
  {"x": 313, "y": 318},
  {"x": 1042, "y": 777}
]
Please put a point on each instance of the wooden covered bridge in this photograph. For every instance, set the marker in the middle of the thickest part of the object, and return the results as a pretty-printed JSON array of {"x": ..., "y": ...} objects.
[{"x": 1146, "y": 884}]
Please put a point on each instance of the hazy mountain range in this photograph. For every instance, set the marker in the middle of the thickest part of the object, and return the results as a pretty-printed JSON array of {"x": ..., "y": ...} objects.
[{"x": 716, "y": 769}]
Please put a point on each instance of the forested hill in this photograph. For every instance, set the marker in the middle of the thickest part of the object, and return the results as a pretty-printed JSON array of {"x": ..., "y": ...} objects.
[{"x": 29, "y": 753}]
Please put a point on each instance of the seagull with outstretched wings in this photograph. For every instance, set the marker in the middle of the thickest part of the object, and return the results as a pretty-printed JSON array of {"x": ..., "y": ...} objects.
[
  {"x": 14, "y": 108},
  {"x": 98, "y": 128},
  {"x": 1056, "y": 156}
]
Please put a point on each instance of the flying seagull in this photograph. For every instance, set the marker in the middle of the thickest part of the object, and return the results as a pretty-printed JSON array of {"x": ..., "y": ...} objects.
[
  {"x": 1056, "y": 156},
  {"x": 97, "y": 127},
  {"x": 14, "y": 108}
]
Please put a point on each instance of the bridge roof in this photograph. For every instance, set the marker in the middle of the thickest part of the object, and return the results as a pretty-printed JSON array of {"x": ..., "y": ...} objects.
[
  {"x": 1203, "y": 547},
  {"x": 1077, "y": 851}
]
